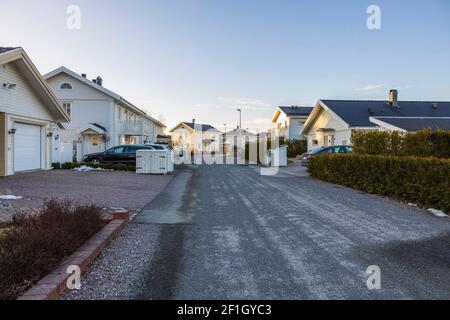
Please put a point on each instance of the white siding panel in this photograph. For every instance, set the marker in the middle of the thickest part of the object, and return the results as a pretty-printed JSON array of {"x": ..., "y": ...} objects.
[
  {"x": 22, "y": 100},
  {"x": 79, "y": 89}
]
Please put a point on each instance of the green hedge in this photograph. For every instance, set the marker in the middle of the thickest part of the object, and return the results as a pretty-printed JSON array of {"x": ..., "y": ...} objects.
[
  {"x": 424, "y": 181},
  {"x": 425, "y": 143},
  {"x": 106, "y": 166},
  {"x": 296, "y": 147}
]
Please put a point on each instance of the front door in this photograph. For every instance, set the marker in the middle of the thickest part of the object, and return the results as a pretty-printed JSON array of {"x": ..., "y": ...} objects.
[
  {"x": 328, "y": 141},
  {"x": 95, "y": 143}
]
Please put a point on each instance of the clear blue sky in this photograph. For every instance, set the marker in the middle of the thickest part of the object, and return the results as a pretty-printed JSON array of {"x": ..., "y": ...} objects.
[{"x": 198, "y": 59}]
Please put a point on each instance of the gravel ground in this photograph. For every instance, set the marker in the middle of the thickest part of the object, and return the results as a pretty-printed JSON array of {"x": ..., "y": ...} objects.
[
  {"x": 119, "y": 271},
  {"x": 227, "y": 232},
  {"x": 106, "y": 189}
]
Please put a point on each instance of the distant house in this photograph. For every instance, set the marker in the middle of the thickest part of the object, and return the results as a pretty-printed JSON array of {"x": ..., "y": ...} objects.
[
  {"x": 289, "y": 121},
  {"x": 29, "y": 112},
  {"x": 195, "y": 137},
  {"x": 99, "y": 118},
  {"x": 332, "y": 121},
  {"x": 236, "y": 139}
]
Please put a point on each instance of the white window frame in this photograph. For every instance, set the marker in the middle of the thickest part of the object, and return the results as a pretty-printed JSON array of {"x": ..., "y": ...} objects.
[
  {"x": 65, "y": 84},
  {"x": 69, "y": 108}
]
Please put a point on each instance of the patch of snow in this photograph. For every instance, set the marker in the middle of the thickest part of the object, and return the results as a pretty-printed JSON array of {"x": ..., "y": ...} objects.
[
  {"x": 10, "y": 197},
  {"x": 87, "y": 168},
  {"x": 438, "y": 213}
]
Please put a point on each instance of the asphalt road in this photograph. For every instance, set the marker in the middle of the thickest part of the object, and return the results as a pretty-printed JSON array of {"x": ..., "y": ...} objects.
[{"x": 227, "y": 232}]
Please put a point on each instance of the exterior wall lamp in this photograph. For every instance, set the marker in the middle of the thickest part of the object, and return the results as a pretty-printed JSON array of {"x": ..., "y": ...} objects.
[
  {"x": 50, "y": 134},
  {"x": 12, "y": 131},
  {"x": 8, "y": 85}
]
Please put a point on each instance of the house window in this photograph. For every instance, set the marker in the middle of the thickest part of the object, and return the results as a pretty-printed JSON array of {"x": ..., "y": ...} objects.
[
  {"x": 67, "y": 108},
  {"x": 66, "y": 86},
  {"x": 315, "y": 142}
]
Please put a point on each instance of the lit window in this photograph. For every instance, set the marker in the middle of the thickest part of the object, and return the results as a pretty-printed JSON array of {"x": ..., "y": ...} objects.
[
  {"x": 67, "y": 108},
  {"x": 66, "y": 86}
]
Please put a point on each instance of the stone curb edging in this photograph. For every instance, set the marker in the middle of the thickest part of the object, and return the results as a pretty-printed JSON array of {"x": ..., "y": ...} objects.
[{"x": 53, "y": 285}]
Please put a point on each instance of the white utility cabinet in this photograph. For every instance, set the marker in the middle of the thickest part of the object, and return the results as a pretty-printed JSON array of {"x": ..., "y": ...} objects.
[
  {"x": 279, "y": 157},
  {"x": 170, "y": 161},
  {"x": 151, "y": 161}
]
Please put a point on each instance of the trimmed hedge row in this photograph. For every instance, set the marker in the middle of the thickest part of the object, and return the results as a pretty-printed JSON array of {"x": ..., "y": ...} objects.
[
  {"x": 425, "y": 181},
  {"x": 425, "y": 143},
  {"x": 106, "y": 166}
]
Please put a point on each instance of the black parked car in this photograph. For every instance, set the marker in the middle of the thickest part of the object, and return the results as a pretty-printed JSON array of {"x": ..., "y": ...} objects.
[
  {"x": 326, "y": 150},
  {"x": 118, "y": 154}
]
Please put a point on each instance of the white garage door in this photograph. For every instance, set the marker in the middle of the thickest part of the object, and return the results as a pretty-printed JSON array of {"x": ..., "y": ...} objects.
[{"x": 27, "y": 147}]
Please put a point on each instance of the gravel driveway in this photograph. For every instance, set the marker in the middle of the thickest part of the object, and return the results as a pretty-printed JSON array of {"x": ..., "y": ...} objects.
[
  {"x": 226, "y": 232},
  {"x": 104, "y": 188}
]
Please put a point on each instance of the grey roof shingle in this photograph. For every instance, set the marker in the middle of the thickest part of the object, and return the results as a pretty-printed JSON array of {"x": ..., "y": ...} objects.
[
  {"x": 357, "y": 113},
  {"x": 6, "y": 49},
  {"x": 416, "y": 124},
  {"x": 204, "y": 127},
  {"x": 296, "y": 111}
]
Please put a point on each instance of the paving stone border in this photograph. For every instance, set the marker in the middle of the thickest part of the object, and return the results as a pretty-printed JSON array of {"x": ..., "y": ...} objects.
[{"x": 53, "y": 285}]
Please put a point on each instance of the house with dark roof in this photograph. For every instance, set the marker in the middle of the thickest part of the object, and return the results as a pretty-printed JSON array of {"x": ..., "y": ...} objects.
[
  {"x": 332, "y": 121},
  {"x": 236, "y": 139},
  {"x": 288, "y": 121},
  {"x": 29, "y": 114},
  {"x": 195, "y": 137}
]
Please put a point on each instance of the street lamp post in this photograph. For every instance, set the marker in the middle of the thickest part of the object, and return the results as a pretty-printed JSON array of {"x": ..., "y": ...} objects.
[
  {"x": 240, "y": 118},
  {"x": 224, "y": 138}
]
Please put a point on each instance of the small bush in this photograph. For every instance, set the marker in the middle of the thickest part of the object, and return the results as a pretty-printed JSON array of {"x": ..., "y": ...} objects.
[
  {"x": 425, "y": 181},
  {"x": 296, "y": 147},
  {"x": 33, "y": 247},
  {"x": 67, "y": 165},
  {"x": 56, "y": 165},
  {"x": 425, "y": 143}
]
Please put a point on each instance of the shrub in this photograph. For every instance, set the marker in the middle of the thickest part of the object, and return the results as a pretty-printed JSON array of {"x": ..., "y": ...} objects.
[
  {"x": 56, "y": 165},
  {"x": 425, "y": 143},
  {"x": 67, "y": 165},
  {"x": 296, "y": 147},
  {"x": 33, "y": 247},
  {"x": 106, "y": 166},
  {"x": 425, "y": 181}
]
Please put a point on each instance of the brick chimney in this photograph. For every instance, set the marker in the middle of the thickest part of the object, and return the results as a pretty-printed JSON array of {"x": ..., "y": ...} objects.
[{"x": 393, "y": 98}]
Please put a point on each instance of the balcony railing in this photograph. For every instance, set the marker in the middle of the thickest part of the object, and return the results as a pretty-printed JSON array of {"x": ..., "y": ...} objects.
[{"x": 130, "y": 127}]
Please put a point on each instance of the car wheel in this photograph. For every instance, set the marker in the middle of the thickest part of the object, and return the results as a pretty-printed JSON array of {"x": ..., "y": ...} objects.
[{"x": 95, "y": 161}]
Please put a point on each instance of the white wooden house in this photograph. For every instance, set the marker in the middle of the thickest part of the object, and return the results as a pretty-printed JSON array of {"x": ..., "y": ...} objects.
[
  {"x": 29, "y": 112},
  {"x": 99, "y": 118}
]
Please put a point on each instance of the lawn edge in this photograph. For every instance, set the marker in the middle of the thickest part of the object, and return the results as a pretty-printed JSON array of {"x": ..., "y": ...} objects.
[{"x": 54, "y": 284}]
